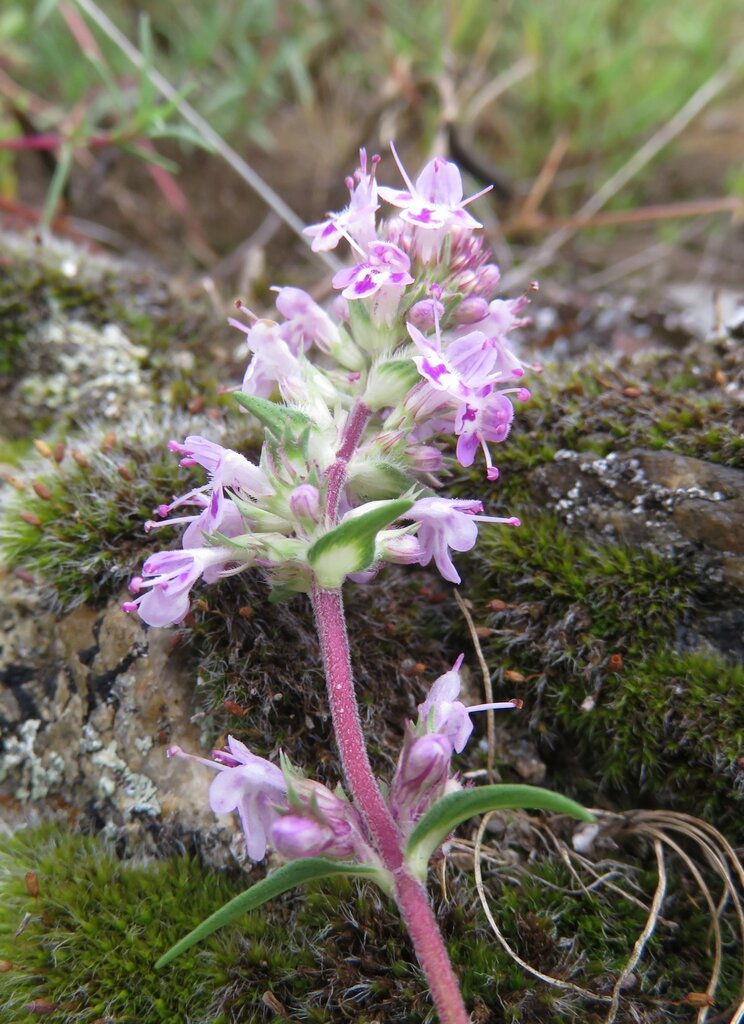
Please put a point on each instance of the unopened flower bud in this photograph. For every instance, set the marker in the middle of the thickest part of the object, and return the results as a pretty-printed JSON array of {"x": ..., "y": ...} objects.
[
  {"x": 421, "y": 776},
  {"x": 305, "y": 502},
  {"x": 425, "y": 458},
  {"x": 487, "y": 280},
  {"x": 427, "y": 761},
  {"x": 424, "y": 314},
  {"x": 471, "y": 310},
  {"x": 294, "y": 836},
  {"x": 340, "y": 308},
  {"x": 397, "y": 547}
]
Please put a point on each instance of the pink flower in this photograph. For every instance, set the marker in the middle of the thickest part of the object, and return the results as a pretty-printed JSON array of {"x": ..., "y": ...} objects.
[
  {"x": 273, "y": 359},
  {"x": 357, "y": 220},
  {"x": 446, "y": 523},
  {"x": 381, "y": 278},
  {"x": 434, "y": 205},
  {"x": 250, "y": 785},
  {"x": 320, "y": 823},
  {"x": 174, "y": 573},
  {"x": 485, "y": 417},
  {"x": 442, "y": 714},
  {"x": 306, "y": 323},
  {"x": 218, "y": 515},
  {"x": 225, "y": 467}
]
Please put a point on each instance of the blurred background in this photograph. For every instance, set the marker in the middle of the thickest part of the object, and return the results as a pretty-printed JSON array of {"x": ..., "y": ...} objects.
[{"x": 613, "y": 131}]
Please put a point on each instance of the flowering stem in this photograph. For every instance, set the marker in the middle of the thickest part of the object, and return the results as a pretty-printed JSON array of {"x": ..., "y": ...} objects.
[
  {"x": 352, "y": 435},
  {"x": 410, "y": 895},
  {"x": 416, "y": 911},
  {"x": 329, "y": 617}
]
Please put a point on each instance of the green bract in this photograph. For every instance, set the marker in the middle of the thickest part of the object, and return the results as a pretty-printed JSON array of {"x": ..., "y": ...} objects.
[{"x": 350, "y": 546}]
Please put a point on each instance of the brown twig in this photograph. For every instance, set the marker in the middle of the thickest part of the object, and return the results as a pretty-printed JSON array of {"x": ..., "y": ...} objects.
[
  {"x": 531, "y": 221},
  {"x": 644, "y": 155},
  {"x": 541, "y": 184}
]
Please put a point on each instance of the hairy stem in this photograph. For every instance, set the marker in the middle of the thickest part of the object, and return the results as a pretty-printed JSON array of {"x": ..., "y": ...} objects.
[
  {"x": 329, "y": 617},
  {"x": 432, "y": 954},
  {"x": 336, "y": 476},
  {"x": 410, "y": 894}
]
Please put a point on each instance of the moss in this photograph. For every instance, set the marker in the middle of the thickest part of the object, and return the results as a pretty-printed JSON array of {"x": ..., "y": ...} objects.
[
  {"x": 640, "y": 403},
  {"x": 260, "y": 675},
  {"x": 81, "y": 530},
  {"x": 589, "y": 626},
  {"x": 90, "y": 936},
  {"x": 89, "y": 939},
  {"x": 68, "y": 288}
]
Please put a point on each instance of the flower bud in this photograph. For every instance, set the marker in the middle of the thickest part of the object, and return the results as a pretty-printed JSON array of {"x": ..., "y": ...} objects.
[
  {"x": 424, "y": 314},
  {"x": 425, "y": 458},
  {"x": 427, "y": 762},
  {"x": 421, "y": 776},
  {"x": 304, "y": 502},
  {"x": 397, "y": 547},
  {"x": 294, "y": 836},
  {"x": 471, "y": 310},
  {"x": 487, "y": 280}
]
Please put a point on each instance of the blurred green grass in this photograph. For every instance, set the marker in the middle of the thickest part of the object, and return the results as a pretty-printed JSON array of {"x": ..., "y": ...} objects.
[{"x": 605, "y": 74}]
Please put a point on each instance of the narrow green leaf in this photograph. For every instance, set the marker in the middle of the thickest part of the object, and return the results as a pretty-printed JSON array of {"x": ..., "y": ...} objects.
[
  {"x": 57, "y": 184},
  {"x": 350, "y": 547},
  {"x": 149, "y": 156},
  {"x": 274, "y": 416},
  {"x": 452, "y": 810},
  {"x": 299, "y": 872}
]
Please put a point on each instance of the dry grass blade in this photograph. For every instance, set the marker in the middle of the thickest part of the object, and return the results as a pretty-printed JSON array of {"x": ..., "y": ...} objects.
[
  {"x": 567, "y": 986},
  {"x": 718, "y": 852},
  {"x": 528, "y": 215},
  {"x": 529, "y": 220},
  {"x": 660, "y": 828},
  {"x": 487, "y": 685},
  {"x": 205, "y": 130},
  {"x": 643, "y": 938},
  {"x": 726, "y": 74},
  {"x": 715, "y": 973},
  {"x": 497, "y": 86}
]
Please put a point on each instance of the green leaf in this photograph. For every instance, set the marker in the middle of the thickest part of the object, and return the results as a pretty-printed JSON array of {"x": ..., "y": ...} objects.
[
  {"x": 57, "y": 184},
  {"x": 150, "y": 156},
  {"x": 274, "y": 416},
  {"x": 299, "y": 872},
  {"x": 373, "y": 479},
  {"x": 350, "y": 546},
  {"x": 452, "y": 810}
]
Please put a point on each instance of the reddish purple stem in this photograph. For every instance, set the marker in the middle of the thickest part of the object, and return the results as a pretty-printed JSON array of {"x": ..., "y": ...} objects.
[{"x": 410, "y": 894}]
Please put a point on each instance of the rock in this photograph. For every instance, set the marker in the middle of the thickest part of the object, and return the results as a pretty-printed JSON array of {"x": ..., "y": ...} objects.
[{"x": 92, "y": 701}]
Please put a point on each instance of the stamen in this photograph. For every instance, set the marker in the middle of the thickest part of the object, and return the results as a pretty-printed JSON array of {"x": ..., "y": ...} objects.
[
  {"x": 514, "y": 705},
  {"x": 402, "y": 170},
  {"x": 477, "y": 195},
  {"x": 239, "y": 304}
]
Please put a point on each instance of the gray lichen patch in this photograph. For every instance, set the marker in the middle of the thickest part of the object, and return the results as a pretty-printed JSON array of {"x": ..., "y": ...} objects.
[
  {"x": 96, "y": 705},
  {"x": 84, "y": 334},
  {"x": 75, "y": 366}
]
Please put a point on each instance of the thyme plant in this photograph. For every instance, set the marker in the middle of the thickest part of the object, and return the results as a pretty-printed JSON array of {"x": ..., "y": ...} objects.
[{"x": 417, "y": 349}]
